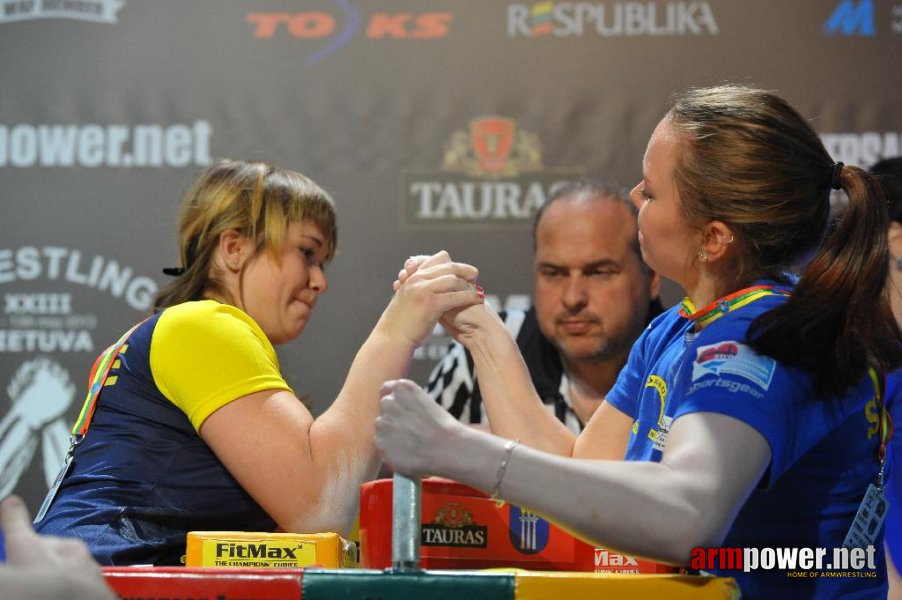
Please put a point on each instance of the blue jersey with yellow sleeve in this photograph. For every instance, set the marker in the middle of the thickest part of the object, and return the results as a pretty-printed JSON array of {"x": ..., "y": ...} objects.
[
  {"x": 143, "y": 477},
  {"x": 822, "y": 450}
]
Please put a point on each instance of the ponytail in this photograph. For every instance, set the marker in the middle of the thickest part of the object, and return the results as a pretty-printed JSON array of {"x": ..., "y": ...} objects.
[{"x": 838, "y": 320}]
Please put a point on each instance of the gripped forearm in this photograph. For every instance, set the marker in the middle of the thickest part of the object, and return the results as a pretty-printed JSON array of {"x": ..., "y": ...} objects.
[{"x": 513, "y": 407}]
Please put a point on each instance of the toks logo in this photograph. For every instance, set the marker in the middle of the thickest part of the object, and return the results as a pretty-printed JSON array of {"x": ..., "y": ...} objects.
[
  {"x": 453, "y": 526},
  {"x": 340, "y": 29},
  {"x": 491, "y": 174}
]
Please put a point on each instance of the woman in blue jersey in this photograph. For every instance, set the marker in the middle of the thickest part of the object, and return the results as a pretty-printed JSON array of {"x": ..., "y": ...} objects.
[
  {"x": 194, "y": 426},
  {"x": 749, "y": 414}
]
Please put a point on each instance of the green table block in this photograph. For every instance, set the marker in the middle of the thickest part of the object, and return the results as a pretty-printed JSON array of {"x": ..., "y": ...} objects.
[{"x": 362, "y": 584}]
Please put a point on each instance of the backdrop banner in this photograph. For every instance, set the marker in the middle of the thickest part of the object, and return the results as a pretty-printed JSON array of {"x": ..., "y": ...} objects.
[{"x": 435, "y": 124}]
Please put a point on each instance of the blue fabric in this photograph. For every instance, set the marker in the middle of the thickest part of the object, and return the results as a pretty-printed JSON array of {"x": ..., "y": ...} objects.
[
  {"x": 143, "y": 478},
  {"x": 823, "y": 452},
  {"x": 893, "y": 523}
]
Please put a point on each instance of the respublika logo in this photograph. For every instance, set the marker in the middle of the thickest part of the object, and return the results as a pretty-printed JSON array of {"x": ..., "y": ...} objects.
[
  {"x": 610, "y": 19},
  {"x": 851, "y": 17},
  {"x": 337, "y": 29},
  {"x": 491, "y": 175},
  {"x": 97, "y": 11}
]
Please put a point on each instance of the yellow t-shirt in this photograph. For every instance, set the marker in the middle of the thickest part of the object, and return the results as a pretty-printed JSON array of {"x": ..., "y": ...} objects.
[{"x": 204, "y": 355}]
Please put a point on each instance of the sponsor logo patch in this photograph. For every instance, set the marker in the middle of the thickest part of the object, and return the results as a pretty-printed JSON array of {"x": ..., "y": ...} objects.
[{"x": 733, "y": 358}]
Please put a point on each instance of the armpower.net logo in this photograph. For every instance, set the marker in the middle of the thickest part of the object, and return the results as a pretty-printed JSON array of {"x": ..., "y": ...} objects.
[{"x": 802, "y": 563}]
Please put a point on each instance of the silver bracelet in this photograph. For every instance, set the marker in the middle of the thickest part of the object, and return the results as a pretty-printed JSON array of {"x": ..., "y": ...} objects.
[{"x": 505, "y": 458}]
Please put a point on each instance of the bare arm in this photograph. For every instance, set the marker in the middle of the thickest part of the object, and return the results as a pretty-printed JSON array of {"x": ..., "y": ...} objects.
[
  {"x": 306, "y": 473},
  {"x": 510, "y": 399},
  {"x": 606, "y": 434},
  {"x": 516, "y": 411},
  {"x": 656, "y": 510}
]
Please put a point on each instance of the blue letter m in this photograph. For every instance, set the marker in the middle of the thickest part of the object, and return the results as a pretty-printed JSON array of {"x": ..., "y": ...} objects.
[{"x": 849, "y": 18}]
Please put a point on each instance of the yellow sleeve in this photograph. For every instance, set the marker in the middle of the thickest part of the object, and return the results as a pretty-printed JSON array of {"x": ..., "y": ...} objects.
[{"x": 205, "y": 354}]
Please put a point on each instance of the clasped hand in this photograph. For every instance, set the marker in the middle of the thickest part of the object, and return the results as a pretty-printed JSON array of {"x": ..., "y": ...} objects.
[
  {"x": 435, "y": 286},
  {"x": 458, "y": 321}
]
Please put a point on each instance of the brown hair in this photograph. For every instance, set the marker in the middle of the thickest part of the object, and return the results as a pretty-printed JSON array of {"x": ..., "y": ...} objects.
[
  {"x": 751, "y": 161},
  {"x": 255, "y": 198}
]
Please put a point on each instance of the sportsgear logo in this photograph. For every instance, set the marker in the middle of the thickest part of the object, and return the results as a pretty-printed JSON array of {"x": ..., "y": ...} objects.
[
  {"x": 851, "y": 18},
  {"x": 96, "y": 11}
]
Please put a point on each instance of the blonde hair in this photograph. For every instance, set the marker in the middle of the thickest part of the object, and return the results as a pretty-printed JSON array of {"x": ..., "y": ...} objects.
[{"x": 255, "y": 198}]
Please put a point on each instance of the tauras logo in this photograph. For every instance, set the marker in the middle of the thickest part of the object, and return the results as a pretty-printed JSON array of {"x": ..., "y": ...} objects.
[
  {"x": 97, "y": 11},
  {"x": 491, "y": 175},
  {"x": 453, "y": 526},
  {"x": 250, "y": 550},
  {"x": 464, "y": 537}
]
